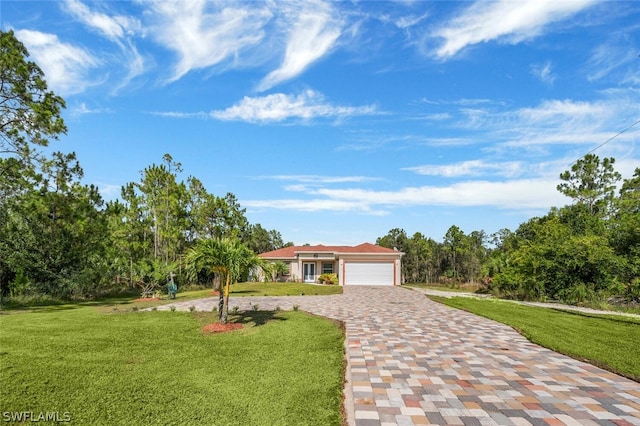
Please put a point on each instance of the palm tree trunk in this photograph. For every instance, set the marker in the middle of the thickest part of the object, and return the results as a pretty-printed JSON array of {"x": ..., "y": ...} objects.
[
  {"x": 220, "y": 305},
  {"x": 225, "y": 314}
]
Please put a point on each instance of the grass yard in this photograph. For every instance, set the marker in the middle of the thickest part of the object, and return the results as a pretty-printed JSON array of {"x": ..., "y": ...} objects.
[
  {"x": 464, "y": 288},
  {"x": 283, "y": 289},
  {"x": 608, "y": 341},
  {"x": 159, "y": 368}
]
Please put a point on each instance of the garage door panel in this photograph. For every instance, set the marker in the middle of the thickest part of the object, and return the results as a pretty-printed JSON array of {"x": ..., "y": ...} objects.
[{"x": 369, "y": 273}]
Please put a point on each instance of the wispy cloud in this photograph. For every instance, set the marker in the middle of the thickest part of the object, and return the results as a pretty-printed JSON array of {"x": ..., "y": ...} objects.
[
  {"x": 119, "y": 29},
  {"x": 205, "y": 34},
  {"x": 618, "y": 56},
  {"x": 83, "y": 109},
  {"x": 280, "y": 107},
  {"x": 318, "y": 179},
  {"x": 315, "y": 205},
  {"x": 177, "y": 114},
  {"x": 505, "y": 20},
  {"x": 65, "y": 65},
  {"x": 544, "y": 73},
  {"x": 114, "y": 28},
  {"x": 512, "y": 194},
  {"x": 314, "y": 29},
  {"x": 470, "y": 168},
  {"x": 518, "y": 195}
]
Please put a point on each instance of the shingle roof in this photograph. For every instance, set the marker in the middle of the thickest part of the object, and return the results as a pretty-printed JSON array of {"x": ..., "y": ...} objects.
[{"x": 290, "y": 252}]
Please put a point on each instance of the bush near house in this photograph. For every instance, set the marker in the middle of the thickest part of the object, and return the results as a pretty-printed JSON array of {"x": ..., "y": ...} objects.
[{"x": 328, "y": 279}]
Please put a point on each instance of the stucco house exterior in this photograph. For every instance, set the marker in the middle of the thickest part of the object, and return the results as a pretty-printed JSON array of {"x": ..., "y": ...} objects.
[{"x": 364, "y": 264}]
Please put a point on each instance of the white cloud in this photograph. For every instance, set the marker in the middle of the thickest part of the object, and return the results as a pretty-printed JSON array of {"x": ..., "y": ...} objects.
[
  {"x": 561, "y": 110},
  {"x": 616, "y": 55},
  {"x": 83, "y": 109},
  {"x": 280, "y": 107},
  {"x": 406, "y": 22},
  {"x": 312, "y": 33},
  {"x": 176, "y": 114},
  {"x": 203, "y": 34},
  {"x": 117, "y": 29},
  {"x": 514, "y": 194},
  {"x": 518, "y": 195},
  {"x": 109, "y": 191},
  {"x": 544, "y": 73},
  {"x": 314, "y": 205},
  {"x": 114, "y": 28},
  {"x": 470, "y": 168},
  {"x": 66, "y": 67},
  {"x": 505, "y": 20},
  {"x": 317, "y": 179}
]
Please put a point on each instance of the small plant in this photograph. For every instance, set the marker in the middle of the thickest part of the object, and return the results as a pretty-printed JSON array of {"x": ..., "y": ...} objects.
[
  {"x": 192, "y": 308},
  {"x": 301, "y": 294},
  {"x": 134, "y": 308},
  {"x": 155, "y": 308},
  {"x": 296, "y": 307},
  {"x": 235, "y": 310},
  {"x": 173, "y": 309},
  {"x": 254, "y": 307},
  {"x": 278, "y": 309},
  {"x": 214, "y": 308},
  {"x": 328, "y": 279}
]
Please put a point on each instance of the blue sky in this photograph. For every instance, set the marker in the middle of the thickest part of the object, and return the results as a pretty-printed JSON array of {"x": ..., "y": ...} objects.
[{"x": 334, "y": 122}]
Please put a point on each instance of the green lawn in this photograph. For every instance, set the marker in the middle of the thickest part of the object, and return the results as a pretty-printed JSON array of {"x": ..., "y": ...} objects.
[
  {"x": 159, "y": 368},
  {"x": 466, "y": 288},
  {"x": 283, "y": 289},
  {"x": 608, "y": 341}
]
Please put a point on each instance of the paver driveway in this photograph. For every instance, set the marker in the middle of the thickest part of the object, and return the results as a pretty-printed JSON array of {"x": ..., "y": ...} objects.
[{"x": 412, "y": 361}]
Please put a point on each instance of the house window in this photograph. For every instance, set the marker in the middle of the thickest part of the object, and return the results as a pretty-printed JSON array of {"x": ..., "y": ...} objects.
[{"x": 327, "y": 267}]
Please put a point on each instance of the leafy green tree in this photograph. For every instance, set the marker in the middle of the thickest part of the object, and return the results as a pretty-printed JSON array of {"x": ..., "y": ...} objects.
[
  {"x": 625, "y": 236},
  {"x": 29, "y": 113},
  {"x": 164, "y": 202},
  {"x": 396, "y": 239},
  {"x": 54, "y": 232},
  {"x": 261, "y": 241},
  {"x": 552, "y": 262},
  {"x": 591, "y": 182},
  {"x": 455, "y": 243}
]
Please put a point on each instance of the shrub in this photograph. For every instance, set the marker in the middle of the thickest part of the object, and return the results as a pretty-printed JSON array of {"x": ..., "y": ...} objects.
[
  {"x": 173, "y": 309},
  {"x": 329, "y": 279},
  {"x": 192, "y": 308}
]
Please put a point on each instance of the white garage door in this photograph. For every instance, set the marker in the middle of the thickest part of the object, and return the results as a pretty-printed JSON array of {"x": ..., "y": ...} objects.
[{"x": 368, "y": 273}]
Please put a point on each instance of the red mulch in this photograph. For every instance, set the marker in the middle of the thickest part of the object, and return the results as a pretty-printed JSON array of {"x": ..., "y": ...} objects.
[
  {"x": 146, "y": 299},
  {"x": 222, "y": 328},
  {"x": 215, "y": 293}
]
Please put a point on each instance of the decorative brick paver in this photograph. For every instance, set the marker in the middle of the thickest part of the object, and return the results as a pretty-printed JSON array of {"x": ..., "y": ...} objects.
[{"x": 412, "y": 361}]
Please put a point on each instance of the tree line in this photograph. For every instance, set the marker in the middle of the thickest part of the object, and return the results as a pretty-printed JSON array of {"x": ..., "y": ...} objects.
[
  {"x": 57, "y": 235},
  {"x": 588, "y": 250}
]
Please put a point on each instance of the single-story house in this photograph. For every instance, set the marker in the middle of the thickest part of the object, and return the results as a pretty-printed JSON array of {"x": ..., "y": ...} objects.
[{"x": 364, "y": 264}]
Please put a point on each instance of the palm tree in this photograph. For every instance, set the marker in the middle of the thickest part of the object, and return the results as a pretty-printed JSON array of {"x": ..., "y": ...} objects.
[{"x": 226, "y": 257}]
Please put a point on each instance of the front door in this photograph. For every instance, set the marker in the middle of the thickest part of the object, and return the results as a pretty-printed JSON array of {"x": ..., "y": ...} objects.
[{"x": 309, "y": 272}]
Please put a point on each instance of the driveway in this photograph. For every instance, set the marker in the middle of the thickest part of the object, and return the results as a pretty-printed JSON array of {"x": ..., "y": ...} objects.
[{"x": 412, "y": 361}]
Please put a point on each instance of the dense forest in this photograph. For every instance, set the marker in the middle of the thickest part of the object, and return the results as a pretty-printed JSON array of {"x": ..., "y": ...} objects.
[
  {"x": 58, "y": 238},
  {"x": 586, "y": 251}
]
